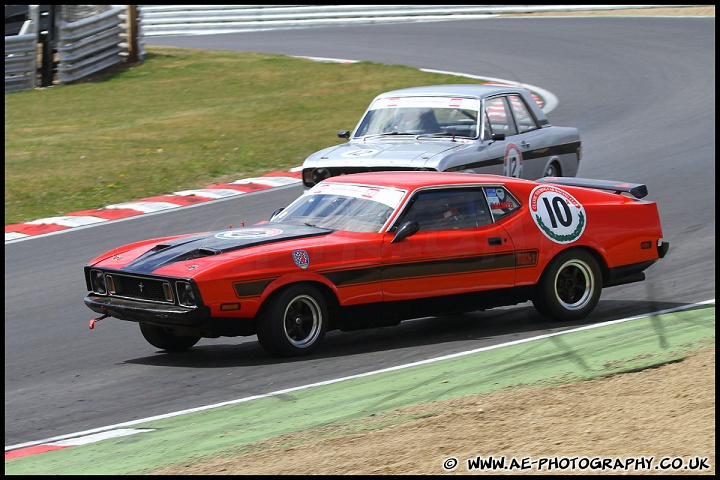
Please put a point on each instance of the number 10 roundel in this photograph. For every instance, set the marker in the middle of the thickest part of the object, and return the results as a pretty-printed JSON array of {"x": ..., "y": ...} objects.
[{"x": 557, "y": 214}]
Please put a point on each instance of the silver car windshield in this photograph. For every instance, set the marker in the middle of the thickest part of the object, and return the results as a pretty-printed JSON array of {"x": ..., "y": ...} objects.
[
  {"x": 343, "y": 207},
  {"x": 421, "y": 116}
]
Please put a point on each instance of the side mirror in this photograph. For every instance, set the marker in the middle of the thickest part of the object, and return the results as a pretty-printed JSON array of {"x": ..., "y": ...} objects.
[
  {"x": 344, "y": 134},
  {"x": 276, "y": 212},
  {"x": 498, "y": 136},
  {"x": 405, "y": 230}
]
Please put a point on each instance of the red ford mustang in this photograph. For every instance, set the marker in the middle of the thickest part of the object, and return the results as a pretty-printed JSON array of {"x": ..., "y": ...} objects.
[{"x": 372, "y": 249}]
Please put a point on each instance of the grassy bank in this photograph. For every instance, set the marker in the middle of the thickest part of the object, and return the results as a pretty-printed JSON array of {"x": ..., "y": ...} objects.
[{"x": 183, "y": 119}]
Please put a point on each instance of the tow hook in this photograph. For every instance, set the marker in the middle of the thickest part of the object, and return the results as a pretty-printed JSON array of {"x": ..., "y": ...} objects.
[{"x": 92, "y": 322}]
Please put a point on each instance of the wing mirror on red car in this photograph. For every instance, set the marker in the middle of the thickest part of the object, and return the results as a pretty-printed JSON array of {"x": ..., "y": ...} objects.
[{"x": 405, "y": 230}]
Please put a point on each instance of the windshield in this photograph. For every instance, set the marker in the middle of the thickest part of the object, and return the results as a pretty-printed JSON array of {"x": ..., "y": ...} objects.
[
  {"x": 343, "y": 207},
  {"x": 421, "y": 116}
]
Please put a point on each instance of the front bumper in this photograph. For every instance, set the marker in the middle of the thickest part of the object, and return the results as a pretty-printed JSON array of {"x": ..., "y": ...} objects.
[{"x": 146, "y": 312}]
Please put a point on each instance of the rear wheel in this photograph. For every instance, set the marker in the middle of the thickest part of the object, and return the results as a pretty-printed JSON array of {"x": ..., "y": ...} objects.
[
  {"x": 293, "y": 322},
  {"x": 164, "y": 339},
  {"x": 570, "y": 287}
]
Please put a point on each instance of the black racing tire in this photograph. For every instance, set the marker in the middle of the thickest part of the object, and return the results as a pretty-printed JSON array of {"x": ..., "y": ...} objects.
[
  {"x": 293, "y": 321},
  {"x": 570, "y": 286},
  {"x": 163, "y": 339}
]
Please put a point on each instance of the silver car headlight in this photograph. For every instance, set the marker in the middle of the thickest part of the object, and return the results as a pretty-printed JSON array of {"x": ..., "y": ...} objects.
[{"x": 320, "y": 174}]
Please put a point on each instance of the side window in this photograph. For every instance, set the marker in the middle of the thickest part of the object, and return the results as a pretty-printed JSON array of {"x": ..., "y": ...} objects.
[
  {"x": 525, "y": 121},
  {"x": 501, "y": 202},
  {"x": 499, "y": 116},
  {"x": 448, "y": 209}
]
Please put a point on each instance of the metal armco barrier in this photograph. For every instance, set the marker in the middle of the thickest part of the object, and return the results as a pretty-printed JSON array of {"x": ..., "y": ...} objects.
[{"x": 92, "y": 38}]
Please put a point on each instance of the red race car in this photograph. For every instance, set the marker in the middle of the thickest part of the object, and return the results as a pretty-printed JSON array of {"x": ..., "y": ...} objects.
[{"x": 371, "y": 249}]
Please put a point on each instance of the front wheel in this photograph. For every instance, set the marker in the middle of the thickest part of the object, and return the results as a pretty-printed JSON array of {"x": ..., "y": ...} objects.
[
  {"x": 552, "y": 170},
  {"x": 293, "y": 322},
  {"x": 165, "y": 340},
  {"x": 570, "y": 287}
]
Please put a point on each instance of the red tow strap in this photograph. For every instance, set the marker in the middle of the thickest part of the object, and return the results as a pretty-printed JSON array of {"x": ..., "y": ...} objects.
[{"x": 92, "y": 322}]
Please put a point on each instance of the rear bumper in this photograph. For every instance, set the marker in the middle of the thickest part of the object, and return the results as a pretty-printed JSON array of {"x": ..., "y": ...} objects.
[{"x": 626, "y": 274}]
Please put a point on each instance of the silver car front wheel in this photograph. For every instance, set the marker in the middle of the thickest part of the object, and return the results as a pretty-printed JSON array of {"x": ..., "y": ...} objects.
[{"x": 552, "y": 170}]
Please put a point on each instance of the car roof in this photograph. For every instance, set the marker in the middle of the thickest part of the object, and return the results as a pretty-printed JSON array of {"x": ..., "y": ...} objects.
[
  {"x": 412, "y": 179},
  {"x": 470, "y": 90}
]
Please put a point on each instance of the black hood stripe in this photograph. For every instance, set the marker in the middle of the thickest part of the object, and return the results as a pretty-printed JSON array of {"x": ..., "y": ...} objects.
[{"x": 215, "y": 243}]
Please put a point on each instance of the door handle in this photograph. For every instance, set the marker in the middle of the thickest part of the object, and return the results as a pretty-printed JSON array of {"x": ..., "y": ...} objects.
[{"x": 494, "y": 241}]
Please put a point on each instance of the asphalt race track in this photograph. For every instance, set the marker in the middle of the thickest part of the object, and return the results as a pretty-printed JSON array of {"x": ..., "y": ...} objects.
[{"x": 641, "y": 90}]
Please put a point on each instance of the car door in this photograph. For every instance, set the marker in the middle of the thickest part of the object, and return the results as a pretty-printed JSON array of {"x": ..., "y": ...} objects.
[
  {"x": 456, "y": 250},
  {"x": 532, "y": 141},
  {"x": 523, "y": 152},
  {"x": 500, "y": 135}
]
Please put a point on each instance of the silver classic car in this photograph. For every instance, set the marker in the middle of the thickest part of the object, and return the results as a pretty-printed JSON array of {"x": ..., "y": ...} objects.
[{"x": 453, "y": 128}]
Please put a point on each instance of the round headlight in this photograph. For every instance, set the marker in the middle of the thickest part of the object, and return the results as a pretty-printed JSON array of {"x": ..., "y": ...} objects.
[{"x": 320, "y": 174}]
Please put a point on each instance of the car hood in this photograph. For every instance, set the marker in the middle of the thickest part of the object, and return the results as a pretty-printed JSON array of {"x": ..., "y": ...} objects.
[
  {"x": 216, "y": 243},
  {"x": 410, "y": 152}
]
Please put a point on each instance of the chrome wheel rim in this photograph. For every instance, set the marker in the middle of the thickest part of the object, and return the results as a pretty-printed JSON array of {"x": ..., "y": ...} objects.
[{"x": 302, "y": 321}]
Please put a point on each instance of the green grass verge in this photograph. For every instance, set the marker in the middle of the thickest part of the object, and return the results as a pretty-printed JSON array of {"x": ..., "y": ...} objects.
[
  {"x": 183, "y": 119},
  {"x": 370, "y": 402}
]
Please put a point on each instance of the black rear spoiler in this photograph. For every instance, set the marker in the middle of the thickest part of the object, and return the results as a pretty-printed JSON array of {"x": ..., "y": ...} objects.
[{"x": 637, "y": 190}]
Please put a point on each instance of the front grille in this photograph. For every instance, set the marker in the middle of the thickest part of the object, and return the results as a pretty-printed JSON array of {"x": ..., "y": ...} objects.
[
  {"x": 140, "y": 288},
  {"x": 310, "y": 179}
]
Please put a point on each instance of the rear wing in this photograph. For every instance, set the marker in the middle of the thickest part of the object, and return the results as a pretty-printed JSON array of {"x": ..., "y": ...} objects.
[{"x": 637, "y": 190}]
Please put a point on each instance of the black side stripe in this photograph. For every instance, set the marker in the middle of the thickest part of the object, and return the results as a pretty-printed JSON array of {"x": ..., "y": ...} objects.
[
  {"x": 344, "y": 278},
  {"x": 451, "y": 266},
  {"x": 377, "y": 274},
  {"x": 254, "y": 288},
  {"x": 529, "y": 155}
]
